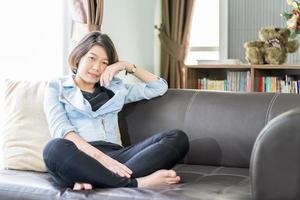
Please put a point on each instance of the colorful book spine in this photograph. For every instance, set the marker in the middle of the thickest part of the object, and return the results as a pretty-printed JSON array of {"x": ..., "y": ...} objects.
[
  {"x": 274, "y": 84},
  {"x": 234, "y": 81}
]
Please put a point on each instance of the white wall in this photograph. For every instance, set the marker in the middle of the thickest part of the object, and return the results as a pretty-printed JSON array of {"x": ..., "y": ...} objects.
[
  {"x": 157, "y": 44},
  {"x": 130, "y": 24}
]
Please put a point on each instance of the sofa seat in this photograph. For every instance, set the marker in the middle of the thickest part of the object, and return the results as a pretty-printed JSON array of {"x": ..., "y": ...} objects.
[{"x": 199, "y": 182}]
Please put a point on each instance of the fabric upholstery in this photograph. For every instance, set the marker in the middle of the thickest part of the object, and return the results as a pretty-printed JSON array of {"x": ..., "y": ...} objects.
[{"x": 25, "y": 130}]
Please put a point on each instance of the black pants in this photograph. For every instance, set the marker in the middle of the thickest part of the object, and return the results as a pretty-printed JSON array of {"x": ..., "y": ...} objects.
[{"x": 67, "y": 164}]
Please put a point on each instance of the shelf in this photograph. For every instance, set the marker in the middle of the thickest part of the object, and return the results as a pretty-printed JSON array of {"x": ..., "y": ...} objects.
[{"x": 219, "y": 71}]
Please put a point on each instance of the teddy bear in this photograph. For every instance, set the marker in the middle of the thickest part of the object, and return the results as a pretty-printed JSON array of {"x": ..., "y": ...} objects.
[{"x": 272, "y": 48}]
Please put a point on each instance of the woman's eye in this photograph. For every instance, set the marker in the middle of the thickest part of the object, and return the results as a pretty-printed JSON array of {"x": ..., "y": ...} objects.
[
  {"x": 104, "y": 63},
  {"x": 91, "y": 58}
]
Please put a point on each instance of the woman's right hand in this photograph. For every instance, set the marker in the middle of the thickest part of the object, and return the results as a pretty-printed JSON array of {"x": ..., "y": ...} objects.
[{"x": 113, "y": 165}]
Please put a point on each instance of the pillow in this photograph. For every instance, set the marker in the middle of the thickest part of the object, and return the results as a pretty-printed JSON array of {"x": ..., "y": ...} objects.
[{"x": 25, "y": 130}]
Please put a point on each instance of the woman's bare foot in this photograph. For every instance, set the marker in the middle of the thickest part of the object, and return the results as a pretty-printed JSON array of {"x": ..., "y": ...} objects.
[
  {"x": 160, "y": 177},
  {"x": 82, "y": 186}
]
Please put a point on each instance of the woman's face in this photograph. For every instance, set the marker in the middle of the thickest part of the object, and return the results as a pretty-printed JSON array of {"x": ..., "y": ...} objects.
[{"x": 92, "y": 65}]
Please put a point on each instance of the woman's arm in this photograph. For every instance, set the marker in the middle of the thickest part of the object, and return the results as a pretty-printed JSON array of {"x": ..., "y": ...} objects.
[
  {"x": 150, "y": 87},
  {"x": 141, "y": 73},
  {"x": 98, "y": 155},
  {"x": 55, "y": 113},
  {"x": 83, "y": 145},
  {"x": 115, "y": 68}
]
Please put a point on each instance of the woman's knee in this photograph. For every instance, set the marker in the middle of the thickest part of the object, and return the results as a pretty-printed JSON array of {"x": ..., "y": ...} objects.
[
  {"x": 56, "y": 147},
  {"x": 182, "y": 140}
]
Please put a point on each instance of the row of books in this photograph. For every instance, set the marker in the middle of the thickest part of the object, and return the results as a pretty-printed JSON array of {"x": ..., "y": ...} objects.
[
  {"x": 236, "y": 81},
  {"x": 241, "y": 81},
  {"x": 288, "y": 84}
]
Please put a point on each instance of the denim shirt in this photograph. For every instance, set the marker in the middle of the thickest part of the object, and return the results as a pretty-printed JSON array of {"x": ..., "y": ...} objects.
[{"x": 67, "y": 110}]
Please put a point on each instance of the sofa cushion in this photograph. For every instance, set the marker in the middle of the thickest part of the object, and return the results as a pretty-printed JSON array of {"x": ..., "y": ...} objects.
[
  {"x": 198, "y": 182},
  {"x": 25, "y": 131}
]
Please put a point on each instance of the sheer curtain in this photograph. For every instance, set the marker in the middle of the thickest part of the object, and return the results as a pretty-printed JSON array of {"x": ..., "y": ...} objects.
[{"x": 31, "y": 41}]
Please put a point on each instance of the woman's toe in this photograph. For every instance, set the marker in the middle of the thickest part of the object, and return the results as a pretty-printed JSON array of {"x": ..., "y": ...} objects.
[
  {"x": 77, "y": 186},
  {"x": 87, "y": 186}
]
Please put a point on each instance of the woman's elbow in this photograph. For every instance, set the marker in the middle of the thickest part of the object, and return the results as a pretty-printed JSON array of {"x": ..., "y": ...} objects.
[{"x": 164, "y": 88}]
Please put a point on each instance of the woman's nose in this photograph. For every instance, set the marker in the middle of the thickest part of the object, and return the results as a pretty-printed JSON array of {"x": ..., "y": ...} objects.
[{"x": 94, "y": 67}]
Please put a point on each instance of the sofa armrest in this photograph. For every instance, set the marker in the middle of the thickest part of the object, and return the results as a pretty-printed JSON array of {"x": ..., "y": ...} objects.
[{"x": 275, "y": 159}]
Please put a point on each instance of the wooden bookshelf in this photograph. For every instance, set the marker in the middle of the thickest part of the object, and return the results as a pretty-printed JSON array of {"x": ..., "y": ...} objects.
[{"x": 220, "y": 71}]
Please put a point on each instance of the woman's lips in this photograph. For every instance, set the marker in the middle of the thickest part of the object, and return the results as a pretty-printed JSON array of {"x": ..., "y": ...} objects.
[{"x": 93, "y": 75}]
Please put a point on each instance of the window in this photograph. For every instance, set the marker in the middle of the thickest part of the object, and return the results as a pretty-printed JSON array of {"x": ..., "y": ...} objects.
[
  {"x": 206, "y": 42},
  {"x": 31, "y": 39}
]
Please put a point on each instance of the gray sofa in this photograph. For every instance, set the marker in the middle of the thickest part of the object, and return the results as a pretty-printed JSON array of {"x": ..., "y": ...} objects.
[{"x": 242, "y": 146}]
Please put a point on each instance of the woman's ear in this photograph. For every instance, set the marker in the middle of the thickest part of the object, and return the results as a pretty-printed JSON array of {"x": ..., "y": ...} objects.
[{"x": 75, "y": 70}]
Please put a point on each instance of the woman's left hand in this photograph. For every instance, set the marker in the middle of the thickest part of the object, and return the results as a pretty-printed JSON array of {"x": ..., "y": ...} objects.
[{"x": 111, "y": 71}]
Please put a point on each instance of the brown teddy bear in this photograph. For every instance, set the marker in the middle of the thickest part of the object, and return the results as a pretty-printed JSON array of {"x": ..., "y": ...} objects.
[{"x": 272, "y": 48}]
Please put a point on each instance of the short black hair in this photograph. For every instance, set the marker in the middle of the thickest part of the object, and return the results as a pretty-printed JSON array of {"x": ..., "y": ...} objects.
[{"x": 86, "y": 43}]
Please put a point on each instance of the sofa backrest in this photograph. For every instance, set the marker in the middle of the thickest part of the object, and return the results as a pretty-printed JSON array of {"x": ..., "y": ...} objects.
[{"x": 222, "y": 127}]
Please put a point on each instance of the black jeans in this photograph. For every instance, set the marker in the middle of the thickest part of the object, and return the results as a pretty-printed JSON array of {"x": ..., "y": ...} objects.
[{"x": 67, "y": 164}]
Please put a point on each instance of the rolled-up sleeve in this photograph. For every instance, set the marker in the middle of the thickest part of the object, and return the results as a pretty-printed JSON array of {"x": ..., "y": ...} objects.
[
  {"x": 139, "y": 91},
  {"x": 58, "y": 121}
]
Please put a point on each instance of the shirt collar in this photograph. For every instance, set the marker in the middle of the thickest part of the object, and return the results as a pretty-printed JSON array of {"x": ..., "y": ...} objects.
[{"x": 69, "y": 81}]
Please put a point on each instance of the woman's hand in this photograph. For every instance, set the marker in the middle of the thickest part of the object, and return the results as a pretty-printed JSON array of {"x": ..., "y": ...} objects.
[
  {"x": 108, "y": 162},
  {"x": 113, "y": 70},
  {"x": 114, "y": 166}
]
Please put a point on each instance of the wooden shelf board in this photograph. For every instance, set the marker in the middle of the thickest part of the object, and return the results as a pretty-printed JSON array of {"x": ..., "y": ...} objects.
[
  {"x": 220, "y": 66},
  {"x": 243, "y": 66},
  {"x": 276, "y": 67}
]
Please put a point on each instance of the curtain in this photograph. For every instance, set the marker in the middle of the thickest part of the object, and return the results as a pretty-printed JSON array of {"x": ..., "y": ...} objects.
[
  {"x": 87, "y": 16},
  {"x": 174, "y": 37}
]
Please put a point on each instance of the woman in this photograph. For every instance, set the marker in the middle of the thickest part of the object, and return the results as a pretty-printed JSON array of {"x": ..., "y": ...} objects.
[{"x": 82, "y": 113}]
